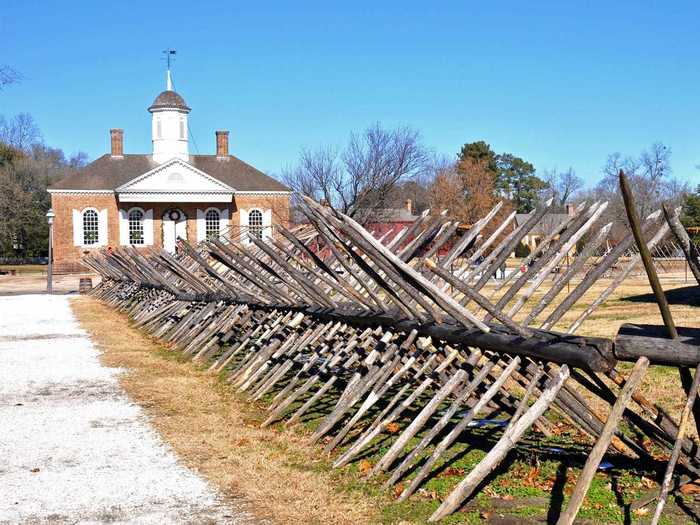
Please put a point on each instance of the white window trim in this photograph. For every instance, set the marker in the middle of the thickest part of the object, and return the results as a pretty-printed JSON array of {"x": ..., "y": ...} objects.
[
  {"x": 124, "y": 226},
  {"x": 224, "y": 223},
  {"x": 82, "y": 231},
  {"x": 148, "y": 227},
  {"x": 247, "y": 224},
  {"x": 221, "y": 214},
  {"x": 128, "y": 229}
]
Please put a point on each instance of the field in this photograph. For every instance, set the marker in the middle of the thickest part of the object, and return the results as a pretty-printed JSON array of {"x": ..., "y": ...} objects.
[
  {"x": 21, "y": 269},
  {"x": 216, "y": 431},
  {"x": 31, "y": 282}
]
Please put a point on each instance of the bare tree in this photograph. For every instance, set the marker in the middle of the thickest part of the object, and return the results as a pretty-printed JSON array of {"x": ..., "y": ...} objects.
[
  {"x": 563, "y": 185},
  {"x": 316, "y": 173},
  {"x": 649, "y": 175},
  {"x": 650, "y": 180},
  {"x": 8, "y": 76},
  {"x": 359, "y": 180},
  {"x": 448, "y": 192},
  {"x": 20, "y": 132}
]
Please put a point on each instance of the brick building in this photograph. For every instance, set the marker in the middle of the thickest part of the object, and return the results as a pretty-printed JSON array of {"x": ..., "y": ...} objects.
[{"x": 151, "y": 200}]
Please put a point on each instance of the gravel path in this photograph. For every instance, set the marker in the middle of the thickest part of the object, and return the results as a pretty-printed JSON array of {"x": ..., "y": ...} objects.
[{"x": 73, "y": 447}]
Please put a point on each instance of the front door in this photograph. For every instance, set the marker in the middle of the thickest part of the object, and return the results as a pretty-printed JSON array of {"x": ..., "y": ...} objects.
[{"x": 174, "y": 228}]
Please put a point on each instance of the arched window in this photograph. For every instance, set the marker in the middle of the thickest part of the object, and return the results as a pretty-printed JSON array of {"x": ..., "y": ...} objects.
[
  {"x": 211, "y": 220},
  {"x": 182, "y": 127},
  {"x": 255, "y": 223},
  {"x": 136, "y": 227},
  {"x": 90, "y": 227},
  {"x": 159, "y": 128}
]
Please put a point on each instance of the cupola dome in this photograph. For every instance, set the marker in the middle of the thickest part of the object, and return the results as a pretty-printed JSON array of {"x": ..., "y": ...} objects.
[
  {"x": 169, "y": 99},
  {"x": 169, "y": 125}
]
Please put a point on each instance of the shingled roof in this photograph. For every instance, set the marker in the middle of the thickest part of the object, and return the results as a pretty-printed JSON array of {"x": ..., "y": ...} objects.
[
  {"x": 169, "y": 99},
  {"x": 108, "y": 173}
]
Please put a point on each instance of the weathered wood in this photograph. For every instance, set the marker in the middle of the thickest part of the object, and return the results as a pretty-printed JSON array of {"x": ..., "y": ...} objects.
[
  {"x": 442, "y": 422},
  {"x": 522, "y": 406},
  {"x": 470, "y": 236},
  {"x": 418, "y": 422},
  {"x": 326, "y": 311},
  {"x": 575, "y": 351},
  {"x": 499, "y": 451},
  {"x": 478, "y": 299},
  {"x": 601, "y": 446},
  {"x": 636, "y": 228},
  {"x": 595, "y": 273},
  {"x": 689, "y": 250},
  {"x": 458, "y": 429},
  {"x": 677, "y": 447},
  {"x": 634, "y": 261},
  {"x": 651, "y": 341}
]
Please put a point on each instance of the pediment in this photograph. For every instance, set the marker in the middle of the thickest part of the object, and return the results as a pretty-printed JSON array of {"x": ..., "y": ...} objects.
[{"x": 175, "y": 176}]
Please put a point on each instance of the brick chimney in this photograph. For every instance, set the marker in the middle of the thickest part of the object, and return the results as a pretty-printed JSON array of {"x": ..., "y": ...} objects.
[
  {"x": 571, "y": 210},
  {"x": 409, "y": 206},
  {"x": 117, "y": 136},
  {"x": 222, "y": 144}
]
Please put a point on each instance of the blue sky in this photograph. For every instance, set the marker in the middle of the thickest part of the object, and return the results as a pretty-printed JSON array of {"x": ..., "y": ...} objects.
[{"x": 555, "y": 83}]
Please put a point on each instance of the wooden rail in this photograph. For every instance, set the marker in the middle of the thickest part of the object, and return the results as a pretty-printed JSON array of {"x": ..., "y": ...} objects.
[{"x": 388, "y": 340}]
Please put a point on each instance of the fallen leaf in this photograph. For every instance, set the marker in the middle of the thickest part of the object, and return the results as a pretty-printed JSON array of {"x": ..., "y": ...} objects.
[
  {"x": 393, "y": 428},
  {"x": 532, "y": 476},
  {"x": 648, "y": 483},
  {"x": 485, "y": 515},
  {"x": 642, "y": 511},
  {"x": 365, "y": 466},
  {"x": 507, "y": 497},
  {"x": 452, "y": 471},
  {"x": 398, "y": 490},
  {"x": 691, "y": 488},
  {"x": 546, "y": 485}
]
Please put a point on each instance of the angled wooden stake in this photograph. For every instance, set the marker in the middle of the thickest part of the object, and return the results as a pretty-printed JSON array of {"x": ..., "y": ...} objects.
[
  {"x": 677, "y": 446},
  {"x": 601, "y": 446},
  {"x": 499, "y": 451}
]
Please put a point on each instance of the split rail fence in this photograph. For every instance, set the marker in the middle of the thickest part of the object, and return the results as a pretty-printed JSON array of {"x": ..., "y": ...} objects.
[{"x": 388, "y": 344}]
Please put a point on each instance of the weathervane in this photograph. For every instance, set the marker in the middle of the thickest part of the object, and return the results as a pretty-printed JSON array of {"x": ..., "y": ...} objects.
[{"x": 169, "y": 54}]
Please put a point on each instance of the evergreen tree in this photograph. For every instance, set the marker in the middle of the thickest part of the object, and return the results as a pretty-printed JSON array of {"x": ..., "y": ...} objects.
[
  {"x": 690, "y": 216},
  {"x": 513, "y": 178}
]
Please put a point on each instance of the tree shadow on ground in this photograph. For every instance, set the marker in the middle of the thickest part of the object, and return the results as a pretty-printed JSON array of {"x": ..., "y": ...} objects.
[{"x": 688, "y": 296}]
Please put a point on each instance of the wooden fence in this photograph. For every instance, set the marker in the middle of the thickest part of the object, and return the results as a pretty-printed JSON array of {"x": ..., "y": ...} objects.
[{"x": 388, "y": 343}]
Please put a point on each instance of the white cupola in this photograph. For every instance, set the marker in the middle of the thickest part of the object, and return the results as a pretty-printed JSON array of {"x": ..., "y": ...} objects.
[{"x": 169, "y": 125}]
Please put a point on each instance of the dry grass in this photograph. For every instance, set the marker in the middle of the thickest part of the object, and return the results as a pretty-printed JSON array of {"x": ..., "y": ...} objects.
[
  {"x": 282, "y": 478},
  {"x": 24, "y": 268},
  {"x": 661, "y": 384},
  {"x": 31, "y": 283},
  {"x": 276, "y": 472}
]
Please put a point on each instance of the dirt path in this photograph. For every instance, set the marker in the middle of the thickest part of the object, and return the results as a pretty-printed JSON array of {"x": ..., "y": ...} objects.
[
  {"x": 73, "y": 447},
  {"x": 283, "y": 477}
]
